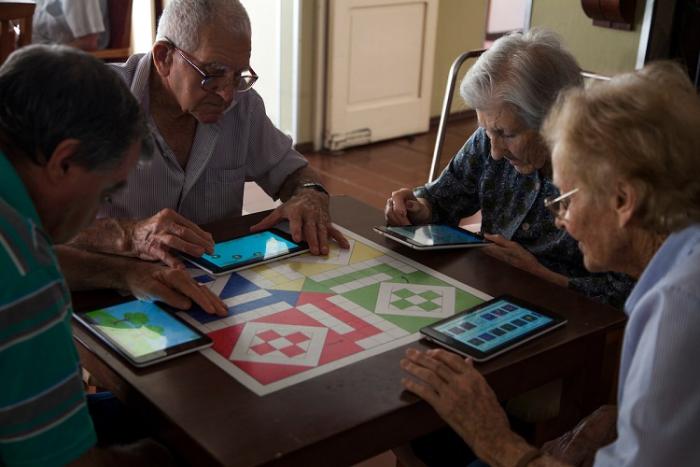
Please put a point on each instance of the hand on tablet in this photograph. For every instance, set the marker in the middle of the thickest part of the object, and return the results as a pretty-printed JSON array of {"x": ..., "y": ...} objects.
[
  {"x": 148, "y": 281},
  {"x": 460, "y": 395},
  {"x": 309, "y": 220},
  {"x": 403, "y": 208},
  {"x": 157, "y": 237},
  {"x": 515, "y": 255}
]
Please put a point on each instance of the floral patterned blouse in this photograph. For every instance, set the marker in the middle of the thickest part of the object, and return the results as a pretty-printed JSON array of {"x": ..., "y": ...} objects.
[{"x": 512, "y": 205}]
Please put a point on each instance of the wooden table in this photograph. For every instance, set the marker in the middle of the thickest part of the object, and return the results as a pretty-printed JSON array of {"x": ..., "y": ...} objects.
[{"x": 358, "y": 411}]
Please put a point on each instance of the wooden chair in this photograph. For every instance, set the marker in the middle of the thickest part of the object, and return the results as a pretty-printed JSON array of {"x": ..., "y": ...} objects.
[
  {"x": 119, "y": 47},
  {"x": 20, "y": 13}
]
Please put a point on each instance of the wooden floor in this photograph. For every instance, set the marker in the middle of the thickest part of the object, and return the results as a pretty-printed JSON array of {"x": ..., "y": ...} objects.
[{"x": 370, "y": 173}]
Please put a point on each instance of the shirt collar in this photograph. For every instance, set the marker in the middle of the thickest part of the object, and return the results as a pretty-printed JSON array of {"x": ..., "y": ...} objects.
[{"x": 675, "y": 248}]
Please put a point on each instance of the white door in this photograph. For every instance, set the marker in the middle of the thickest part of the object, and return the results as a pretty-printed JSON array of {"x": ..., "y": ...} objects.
[{"x": 380, "y": 68}]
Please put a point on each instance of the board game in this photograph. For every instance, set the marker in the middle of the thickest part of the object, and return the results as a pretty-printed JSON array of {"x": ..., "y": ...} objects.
[{"x": 298, "y": 318}]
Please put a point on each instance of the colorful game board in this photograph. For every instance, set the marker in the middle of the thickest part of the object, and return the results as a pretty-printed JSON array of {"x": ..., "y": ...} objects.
[{"x": 301, "y": 317}]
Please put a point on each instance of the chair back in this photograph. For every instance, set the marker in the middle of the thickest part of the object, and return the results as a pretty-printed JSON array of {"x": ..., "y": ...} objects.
[
  {"x": 15, "y": 13},
  {"x": 119, "y": 47}
]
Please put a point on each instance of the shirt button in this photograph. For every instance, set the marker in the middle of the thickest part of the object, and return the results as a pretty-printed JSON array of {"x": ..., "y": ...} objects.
[{"x": 526, "y": 226}]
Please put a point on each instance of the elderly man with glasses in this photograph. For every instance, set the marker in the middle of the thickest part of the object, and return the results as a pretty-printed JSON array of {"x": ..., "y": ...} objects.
[{"x": 211, "y": 135}]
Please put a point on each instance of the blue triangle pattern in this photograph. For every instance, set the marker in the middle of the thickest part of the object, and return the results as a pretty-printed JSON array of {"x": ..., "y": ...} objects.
[{"x": 238, "y": 285}]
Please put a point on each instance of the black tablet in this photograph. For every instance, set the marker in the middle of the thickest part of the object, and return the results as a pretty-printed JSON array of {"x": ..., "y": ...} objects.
[
  {"x": 494, "y": 327},
  {"x": 143, "y": 332},
  {"x": 432, "y": 236},
  {"x": 249, "y": 250}
]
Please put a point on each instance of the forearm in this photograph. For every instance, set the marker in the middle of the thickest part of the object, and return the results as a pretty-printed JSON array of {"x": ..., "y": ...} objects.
[
  {"x": 86, "y": 270},
  {"x": 107, "y": 235},
  {"x": 509, "y": 449},
  {"x": 296, "y": 180}
]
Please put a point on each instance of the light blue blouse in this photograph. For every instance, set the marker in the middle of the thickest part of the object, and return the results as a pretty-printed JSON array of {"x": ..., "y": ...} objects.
[{"x": 659, "y": 395}]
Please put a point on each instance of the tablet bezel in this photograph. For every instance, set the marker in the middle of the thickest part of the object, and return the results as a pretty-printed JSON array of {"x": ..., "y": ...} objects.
[
  {"x": 213, "y": 269},
  {"x": 463, "y": 349},
  {"x": 404, "y": 240},
  {"x": 201, "y": 342}
]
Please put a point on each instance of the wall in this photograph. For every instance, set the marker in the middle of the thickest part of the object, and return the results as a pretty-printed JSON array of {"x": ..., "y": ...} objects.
[
  {"x": 601, "y": 50},
  {"x": 461, "y": 27},
  {"x": 309, "y": 35},
  {"x": 142, "y": 26},
  {"x": 265, "y": 56}
]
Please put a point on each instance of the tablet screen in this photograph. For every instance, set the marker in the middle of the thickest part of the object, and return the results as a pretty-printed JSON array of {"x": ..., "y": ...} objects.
[
  {"x": 436, "y": 234},
  {"x": 493, "y": 326},
  {"x": 140, "y": 328},
  {"x": 250, "y": 248}
]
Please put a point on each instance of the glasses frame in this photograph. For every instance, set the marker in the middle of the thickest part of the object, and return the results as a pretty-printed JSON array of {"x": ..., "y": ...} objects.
[
  {"x": 249, "y": 81},
  {"x": 560, "y": 205}
]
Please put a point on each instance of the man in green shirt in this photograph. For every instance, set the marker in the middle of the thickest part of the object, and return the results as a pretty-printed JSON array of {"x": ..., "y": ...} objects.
[{"x": 70, "y": 132}]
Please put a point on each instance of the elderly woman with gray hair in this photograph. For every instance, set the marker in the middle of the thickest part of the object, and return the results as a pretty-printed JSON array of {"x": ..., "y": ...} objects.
[
  {"x": 625, "y": 153},
  {"x": 504, "y": 169}
]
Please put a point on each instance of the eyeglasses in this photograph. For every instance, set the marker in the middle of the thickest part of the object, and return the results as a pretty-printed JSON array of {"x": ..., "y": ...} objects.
[
  {"x": 241, "y": 82},
  {"x": 559, "y": 205}
]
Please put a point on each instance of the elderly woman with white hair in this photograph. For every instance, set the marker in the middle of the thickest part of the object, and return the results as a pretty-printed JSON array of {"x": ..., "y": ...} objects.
[
  {"x": 625, "y": 153},
  {"x": 504, "y": 169}
]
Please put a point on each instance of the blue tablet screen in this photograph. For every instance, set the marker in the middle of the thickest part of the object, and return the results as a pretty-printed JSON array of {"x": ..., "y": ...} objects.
[
  {"x": 435, "y": 234},
  {"x": 140, "y": 328},
  {"x": 258, "y": 246},
  {"x": 494, "y": 325}
]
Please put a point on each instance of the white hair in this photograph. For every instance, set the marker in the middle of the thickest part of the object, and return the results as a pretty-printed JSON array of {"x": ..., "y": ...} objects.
[
  {"x": 183, "y": 20},
  {"x": 526, "y": 70}
]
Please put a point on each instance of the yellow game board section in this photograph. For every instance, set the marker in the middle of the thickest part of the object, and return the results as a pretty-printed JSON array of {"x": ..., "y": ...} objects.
[
  {"x": 291, "y": 286},
  {"x": 363, "y": 253},
  {"x": 311, "y": 269}
]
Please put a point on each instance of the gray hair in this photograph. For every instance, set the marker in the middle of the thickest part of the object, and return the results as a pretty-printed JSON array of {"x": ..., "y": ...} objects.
[
  {"x": 52, "y": 93},
  {"x": 641, "y": 127},
  {"x": 526, "y": 70},
  {"x": 183, "y": 20}
]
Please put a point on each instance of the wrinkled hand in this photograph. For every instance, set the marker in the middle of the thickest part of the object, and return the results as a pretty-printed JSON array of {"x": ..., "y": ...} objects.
[
  {"x": 515, "y": 255},
  {"x": 403, "y": 208},
  {"x": 309, "y": 220},
  {"x": 157, "y": 237},
  {"x": 459, "y": 394},
  {"x": 578, "y": 446},
  {"x": 148, "y": 281},
  {"x": 512, "y": 253}
]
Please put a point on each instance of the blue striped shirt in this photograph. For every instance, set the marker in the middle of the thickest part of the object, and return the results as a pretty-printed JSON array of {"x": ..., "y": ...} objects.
[
  {"x": 659, "y": 395},
  {"x": 242, "y": 146}
]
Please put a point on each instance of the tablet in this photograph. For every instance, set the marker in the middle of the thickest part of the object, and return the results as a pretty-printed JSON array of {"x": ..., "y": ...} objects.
[
  {"x": 143, "y": 332},
  {"x": 432, "y": 236},
  {"x": 248, "y": 251},
  {"x": 494, "y": 327}
]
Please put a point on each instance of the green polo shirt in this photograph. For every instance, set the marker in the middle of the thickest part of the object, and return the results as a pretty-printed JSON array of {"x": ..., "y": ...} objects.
[{"x": 43, "y": 415}]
